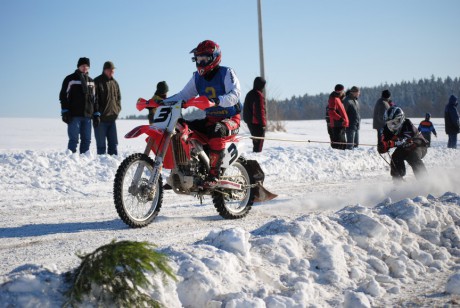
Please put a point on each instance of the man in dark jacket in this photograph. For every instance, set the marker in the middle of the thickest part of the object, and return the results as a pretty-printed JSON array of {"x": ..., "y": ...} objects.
[
  {"x": 109, "y": 103},
  {"x": 338, "y": 119},
  {"x": 351, "y": 105},
  {"x": 451, "y": 120},
  {"x": 426, "y": 127},
  {"x": 78, "y": 105},
  {"x": 382, "y": 105},
  {"x": 410, "y": 145},
  {"x": 254, "y": 113}
]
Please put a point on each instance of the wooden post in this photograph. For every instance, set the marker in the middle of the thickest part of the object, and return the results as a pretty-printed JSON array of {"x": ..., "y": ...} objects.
[{"x": 261, "y": 49}]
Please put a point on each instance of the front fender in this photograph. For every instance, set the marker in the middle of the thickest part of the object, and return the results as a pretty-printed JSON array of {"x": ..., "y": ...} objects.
[{"x": 143, "y": 129}]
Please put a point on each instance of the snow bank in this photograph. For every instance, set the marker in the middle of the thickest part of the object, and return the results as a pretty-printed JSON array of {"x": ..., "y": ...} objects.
[
  {"x": 53, "y": 175},
  {"x": 356, "y": 257}
]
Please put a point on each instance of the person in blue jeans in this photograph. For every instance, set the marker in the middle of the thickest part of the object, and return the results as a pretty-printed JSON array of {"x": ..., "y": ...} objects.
[
  {"x": 352, "y": 107},
  {"x": 109, "y": 107},
  {"x": 451, "y": 120},
  {"x": 78, "y": 105}
]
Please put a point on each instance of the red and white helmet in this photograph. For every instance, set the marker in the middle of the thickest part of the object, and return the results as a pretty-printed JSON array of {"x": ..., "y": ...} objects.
[{"x": 207, "y": 56}]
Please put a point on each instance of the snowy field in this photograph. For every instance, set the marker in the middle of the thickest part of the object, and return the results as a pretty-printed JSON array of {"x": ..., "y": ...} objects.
[{"x": 339, "y": 234}]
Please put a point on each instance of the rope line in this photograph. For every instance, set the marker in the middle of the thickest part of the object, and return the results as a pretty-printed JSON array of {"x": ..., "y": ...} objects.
[{"x": 310, "y": 141}]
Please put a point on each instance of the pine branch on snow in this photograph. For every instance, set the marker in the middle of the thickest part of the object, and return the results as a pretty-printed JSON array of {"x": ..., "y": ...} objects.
[{"x": 117, "y": 274}]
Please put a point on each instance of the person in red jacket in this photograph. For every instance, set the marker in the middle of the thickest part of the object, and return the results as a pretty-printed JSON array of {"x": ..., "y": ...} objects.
[
  {"x": 254, "y": 113},
  {"x": 338, "y": 119}
]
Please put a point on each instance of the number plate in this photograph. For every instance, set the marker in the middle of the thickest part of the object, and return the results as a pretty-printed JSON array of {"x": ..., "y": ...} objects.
[
  {"x": 162, "y": 117},
  {"x": 232, "y": 152}
]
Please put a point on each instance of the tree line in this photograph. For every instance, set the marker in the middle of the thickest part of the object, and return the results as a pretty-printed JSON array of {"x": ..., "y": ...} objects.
[{"x": 416, "y": 97}]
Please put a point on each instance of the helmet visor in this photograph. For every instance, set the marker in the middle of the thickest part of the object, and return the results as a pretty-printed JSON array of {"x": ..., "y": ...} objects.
[{"x": 395, "y": 124}]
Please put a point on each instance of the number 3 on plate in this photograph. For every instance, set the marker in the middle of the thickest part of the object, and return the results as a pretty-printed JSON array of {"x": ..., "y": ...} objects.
[{"x": 163, "y": 115}]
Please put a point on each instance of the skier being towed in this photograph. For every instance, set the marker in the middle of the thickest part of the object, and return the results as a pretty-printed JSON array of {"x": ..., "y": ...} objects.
[
  {"x": 221, "y": 86},
  {"x": 410, "y": 145}
]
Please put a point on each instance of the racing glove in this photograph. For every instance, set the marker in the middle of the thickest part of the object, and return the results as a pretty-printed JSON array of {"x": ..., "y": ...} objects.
[
  {"x": 215, "y": 101},
  {"x": 401, "y": 142}
]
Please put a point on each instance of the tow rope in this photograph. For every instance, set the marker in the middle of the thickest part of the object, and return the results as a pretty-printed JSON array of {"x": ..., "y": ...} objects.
[{"x": 311, "y": 141}]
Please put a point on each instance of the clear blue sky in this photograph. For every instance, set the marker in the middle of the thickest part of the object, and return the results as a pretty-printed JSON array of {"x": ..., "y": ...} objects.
[{"x": 309, "y": 45}]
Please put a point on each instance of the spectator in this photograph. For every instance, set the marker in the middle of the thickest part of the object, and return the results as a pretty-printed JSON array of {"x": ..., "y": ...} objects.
[
  {"x": 451, "y": 121},
  {"x": 161, "y": 93},
  {"x": 426, "y": 127},
  {"x": 78, "y": 105},
  {"x": 351, "y": 105},
  {"x": 382, "y": 105},
  {"x": 328, "y": 123},
  {"x": 109, "y": 103},
  {"x": 410, "y": 145},
  {"x": 254, "y": 113},
  {"x": 338, "y": 119}
]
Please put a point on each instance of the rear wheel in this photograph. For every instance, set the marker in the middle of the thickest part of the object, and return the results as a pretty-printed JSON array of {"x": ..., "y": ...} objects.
[
  {"x": 233, "y": 204},
  {"x": 137, "y": 203}
]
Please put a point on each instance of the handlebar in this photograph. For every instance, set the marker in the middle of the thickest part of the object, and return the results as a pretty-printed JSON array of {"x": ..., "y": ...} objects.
[{"x": 200, "y": 102}]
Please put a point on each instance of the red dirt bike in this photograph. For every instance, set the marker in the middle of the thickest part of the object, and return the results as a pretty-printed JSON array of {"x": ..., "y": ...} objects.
[{"x": 138, "y": 186}]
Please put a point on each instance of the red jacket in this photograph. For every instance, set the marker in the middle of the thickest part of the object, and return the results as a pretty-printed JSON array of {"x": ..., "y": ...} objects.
[
  {"x": 337, "y": 115},
  {"x": 254, "y": 108}
]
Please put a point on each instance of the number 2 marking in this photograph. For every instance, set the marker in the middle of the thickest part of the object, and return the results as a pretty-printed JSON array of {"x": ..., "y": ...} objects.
[
  {"x": 233, "y": 151},
  {"x": 211, "y": 92},
  {"x": 163, "y": 116}
]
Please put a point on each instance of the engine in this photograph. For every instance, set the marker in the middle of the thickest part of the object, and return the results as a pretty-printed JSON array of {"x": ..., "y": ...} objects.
[{"x": 189, "y": 173}]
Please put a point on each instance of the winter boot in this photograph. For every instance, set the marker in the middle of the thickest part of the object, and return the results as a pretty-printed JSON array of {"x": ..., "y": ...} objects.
[{"x": 215, "y": 163}]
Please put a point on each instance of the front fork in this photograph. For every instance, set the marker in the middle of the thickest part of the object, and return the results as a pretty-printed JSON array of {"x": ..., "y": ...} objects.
[{"x": 157, "y": 166}]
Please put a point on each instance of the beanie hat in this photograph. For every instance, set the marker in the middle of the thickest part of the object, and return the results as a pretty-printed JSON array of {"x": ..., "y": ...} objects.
[
  {"x": 83, "y": 61},
  {"x": 354, "y": 89},
  {"x": 109, "y": 64},
  {"x": 386, "y": 94},
  {"x": 162, "y": 88},
  {"x": 339, "y": 87},
  {"x": 259, "y": 83}
]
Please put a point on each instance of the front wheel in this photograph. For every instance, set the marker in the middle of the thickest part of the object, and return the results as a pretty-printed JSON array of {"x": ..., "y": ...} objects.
[
  {"x": 137, "y": 203},
  {"x": 233, "y": 204}
]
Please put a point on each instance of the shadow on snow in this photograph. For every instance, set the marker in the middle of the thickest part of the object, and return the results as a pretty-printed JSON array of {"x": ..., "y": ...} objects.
[{"x": 69, "y": 227}]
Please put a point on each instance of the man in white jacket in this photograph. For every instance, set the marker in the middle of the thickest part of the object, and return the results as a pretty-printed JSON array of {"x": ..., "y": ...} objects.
[{"x": 220, "y": 85}]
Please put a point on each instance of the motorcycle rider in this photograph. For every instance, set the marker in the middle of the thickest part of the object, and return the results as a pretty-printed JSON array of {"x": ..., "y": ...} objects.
[
  {"x": 410, "y": 145},
  {"x": 221, "y": 86}
]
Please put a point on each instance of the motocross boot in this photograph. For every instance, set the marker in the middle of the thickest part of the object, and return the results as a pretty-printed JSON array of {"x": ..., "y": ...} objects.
[{"x": 212, "y": 180}]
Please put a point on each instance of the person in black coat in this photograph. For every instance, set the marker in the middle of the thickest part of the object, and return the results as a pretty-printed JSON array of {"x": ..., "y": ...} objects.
[
  {"x": 254, "y": 113},
  {"x": 109, "y": 102},
  {"x": 410, "y": 145},
  {"x": 351, "y": 104},
  {"x": 78, "y": 106},
  {"x": 451, "y": 120}
]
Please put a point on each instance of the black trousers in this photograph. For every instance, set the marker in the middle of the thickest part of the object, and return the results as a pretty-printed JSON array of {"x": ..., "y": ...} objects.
[
  {"x": 414, "y": 159},
  {"x": 257, "y": 131},
  {"x": 338, "y": 135},
  {"x": 427, "y": 137}
]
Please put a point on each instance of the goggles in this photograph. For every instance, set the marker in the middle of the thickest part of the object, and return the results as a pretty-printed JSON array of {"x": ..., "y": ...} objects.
[
  {"x": 394, "y": 125},
  {"x": 203, "y": 60}
]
